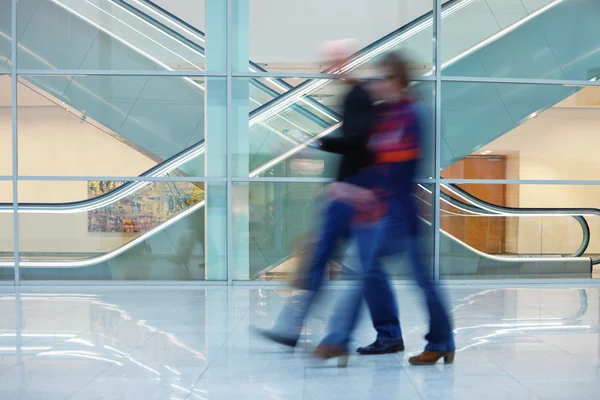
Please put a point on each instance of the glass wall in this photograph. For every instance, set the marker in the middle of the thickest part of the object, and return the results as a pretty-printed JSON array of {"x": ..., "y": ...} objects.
[{"x": 168, "y": 140}]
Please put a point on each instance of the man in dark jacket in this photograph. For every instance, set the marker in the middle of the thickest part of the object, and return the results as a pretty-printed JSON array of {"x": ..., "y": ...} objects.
[{"x": 359, "y": 117}]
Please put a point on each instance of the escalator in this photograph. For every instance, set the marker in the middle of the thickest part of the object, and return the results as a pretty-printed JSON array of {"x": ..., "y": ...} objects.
[
  {"x": 460, "y": 259},
  {"x": 162, "y": 116},
  {"x": 291, "y": 110},
  {"x": 475, "y": 114}
]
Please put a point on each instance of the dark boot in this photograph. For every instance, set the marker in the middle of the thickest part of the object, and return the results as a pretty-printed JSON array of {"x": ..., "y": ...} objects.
[
  {"x": 289, "y": 341},
  {"x": 379, "y": 347}
]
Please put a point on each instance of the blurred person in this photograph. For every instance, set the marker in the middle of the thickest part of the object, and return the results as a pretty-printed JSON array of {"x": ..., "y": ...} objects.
[
  {"x": 359, "y": 117},
  {"x": 378, "y": 195}
]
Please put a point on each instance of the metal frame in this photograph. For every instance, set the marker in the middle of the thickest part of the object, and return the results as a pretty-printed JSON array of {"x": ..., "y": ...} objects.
[
  {"x": 524, "y": 182},
  {"x": 300, "y": 75},
  {"x": 123, "y": 178},
  {"x": 437, "y": 59},
  {"x": 15, "y": 138},
  {"x": 230, "y": 180},
  {"x": 228, "y": 134},
  {"x": 519, "y": 81}
]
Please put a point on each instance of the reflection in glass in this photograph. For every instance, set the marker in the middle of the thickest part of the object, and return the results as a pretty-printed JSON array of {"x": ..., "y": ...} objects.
[{"x": 156, "y": 232}]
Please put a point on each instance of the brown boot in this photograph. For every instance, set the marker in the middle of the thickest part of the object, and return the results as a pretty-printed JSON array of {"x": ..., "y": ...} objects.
[
  {"x": 431, "y": 357},
  {"x": 325, "y": 352}
]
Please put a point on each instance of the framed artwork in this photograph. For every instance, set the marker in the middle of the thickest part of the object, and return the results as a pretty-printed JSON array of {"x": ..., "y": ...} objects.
[{"x": 143, "y": 210}]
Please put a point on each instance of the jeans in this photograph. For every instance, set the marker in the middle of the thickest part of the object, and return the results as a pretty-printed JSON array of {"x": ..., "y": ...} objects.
[
  {"x": 378, "y": 293},
  {"x": 370, "y": 240}
]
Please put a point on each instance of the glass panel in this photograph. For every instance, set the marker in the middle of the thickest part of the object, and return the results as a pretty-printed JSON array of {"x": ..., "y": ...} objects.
[
  {"x": 506, "y": 131},
  {"x": 281, "y": 40},
  {"x": 273, "y": 220},
  {"x": 102, "y": 34},
  {"x": 7, "y": 240},
  {"x": 5, "y": 126},
  {"x": 275, "y": 144},
  {"x": 6, "y": 167},
  {"x": 121, "y": 126},
  {"x": 5, "y": 34},
  {"x": 149, "y": 231},
  {"x": 497, "y": 231},
  {"x": 520, "y": 39}
]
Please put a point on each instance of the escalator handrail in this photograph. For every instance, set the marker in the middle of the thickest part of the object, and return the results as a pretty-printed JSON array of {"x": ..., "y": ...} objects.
[
  {"x": 483, "y": 207},
  {"x": 134, "y": 242},
  {"x": 337, "y": 69},
  {"x": 100, "y": 201},
  {"x": 105, "y": 199},
  {"x": 578, "y": 213},
  {"x": 192, "y": 28},
  {"x": 200, "y": 49},
  {"x": 148, "y": 173}
]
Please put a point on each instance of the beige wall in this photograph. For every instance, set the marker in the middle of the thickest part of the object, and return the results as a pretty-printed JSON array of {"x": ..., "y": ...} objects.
[
  {"x": 561, "y": 143},
  {"x": 54, "y": 142}
]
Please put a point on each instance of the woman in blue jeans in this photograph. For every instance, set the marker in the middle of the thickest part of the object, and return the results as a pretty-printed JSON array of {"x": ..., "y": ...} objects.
[{"x": 379, "y": 191}]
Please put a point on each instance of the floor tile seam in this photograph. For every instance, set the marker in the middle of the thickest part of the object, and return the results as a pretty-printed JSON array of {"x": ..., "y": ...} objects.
[
  {"x": 217, "y": 289},
  {"x": 85, "y": 385},
  {"x": 514, "y": 378},
  {"x": 225, "y": 342},
  {"x": 161, "y": 329},
  {"x": 586, "y": 361},
  {"x": 412, "y": 382},
  {"x": 168, "y": 323}
]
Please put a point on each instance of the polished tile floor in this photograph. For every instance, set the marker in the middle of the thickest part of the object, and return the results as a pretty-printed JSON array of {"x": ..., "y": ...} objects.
[{"x": 195, "y": 343}]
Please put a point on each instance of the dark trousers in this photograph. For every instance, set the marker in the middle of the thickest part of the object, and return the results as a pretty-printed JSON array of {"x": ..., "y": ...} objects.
[
  {"x": 372, "y": 239},
  {"x": 378, "y": 293}
]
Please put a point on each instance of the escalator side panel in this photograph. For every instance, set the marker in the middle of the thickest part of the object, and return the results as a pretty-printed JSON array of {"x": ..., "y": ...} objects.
[
  {"x": 475, "y": 114},
  {"x": 160, "y": 115},
  {"x": 459, "y": 36},
  {"x": 524, "y": 53},
  {"x": 170, "y": 117},
  {"x": 49, "y": 40},
  {"x": 572, "y": 33}
]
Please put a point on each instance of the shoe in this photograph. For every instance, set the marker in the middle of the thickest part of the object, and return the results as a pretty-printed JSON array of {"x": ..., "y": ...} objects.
[
  {"x": 378, "y": 347},
  {"x": 432, "y": 357},
  {"x": 327, "y": 351},
  {"x": 277, "y": 338}
]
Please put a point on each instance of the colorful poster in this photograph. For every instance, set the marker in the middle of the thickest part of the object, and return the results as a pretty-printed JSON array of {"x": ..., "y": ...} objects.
[{"x": 143, "y": 210}]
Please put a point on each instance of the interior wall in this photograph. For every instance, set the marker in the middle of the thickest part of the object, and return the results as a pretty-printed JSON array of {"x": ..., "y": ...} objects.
[
  {"x": 560, "y": 144},
  {"x": 513, "y": 194},
  {"x": 54, "y": 142}
]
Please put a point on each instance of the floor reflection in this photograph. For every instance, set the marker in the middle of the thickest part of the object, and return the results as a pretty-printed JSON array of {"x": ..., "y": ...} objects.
[{"x": 191, "y": 343}]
